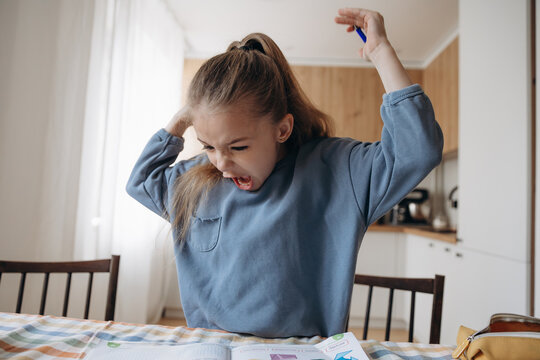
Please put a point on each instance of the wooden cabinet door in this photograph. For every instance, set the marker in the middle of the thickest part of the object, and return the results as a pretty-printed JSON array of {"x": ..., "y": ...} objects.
[
  {"x": 441, "y": 85},
  {"x": 351, "y": 96}
]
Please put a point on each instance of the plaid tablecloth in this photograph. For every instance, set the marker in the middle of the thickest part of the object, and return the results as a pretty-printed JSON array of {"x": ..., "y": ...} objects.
[{"x": 49, "y": 337}]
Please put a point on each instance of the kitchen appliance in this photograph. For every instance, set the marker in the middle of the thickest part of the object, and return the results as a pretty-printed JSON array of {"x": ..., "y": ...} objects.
[
  {"x": 440, "y": 222},
  {"x": 413, "y": 209},
  {"x": 452, "y": 198}
]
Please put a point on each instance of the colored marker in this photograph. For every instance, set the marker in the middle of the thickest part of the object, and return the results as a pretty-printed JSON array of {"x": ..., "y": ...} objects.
[{"x": 360, "y": 32}]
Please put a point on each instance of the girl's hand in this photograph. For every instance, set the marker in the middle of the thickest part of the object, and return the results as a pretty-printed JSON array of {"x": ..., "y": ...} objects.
[
  {"x": 179, "y": 122},
  {"x": 371, "y": 22},
  {"x": 377, "y": 48}
]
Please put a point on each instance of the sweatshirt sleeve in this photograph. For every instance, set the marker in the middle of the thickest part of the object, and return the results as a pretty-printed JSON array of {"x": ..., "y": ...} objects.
[
  {"x": 153, "y": 176},
  {"x": 410, "y": 147}
]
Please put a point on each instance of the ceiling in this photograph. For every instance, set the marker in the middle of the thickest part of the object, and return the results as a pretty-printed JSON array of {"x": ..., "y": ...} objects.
[{"x": 306, "y": 32}]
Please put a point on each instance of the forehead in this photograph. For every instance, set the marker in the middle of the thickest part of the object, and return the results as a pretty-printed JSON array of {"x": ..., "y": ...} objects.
[{"x": 220, "y": 126}]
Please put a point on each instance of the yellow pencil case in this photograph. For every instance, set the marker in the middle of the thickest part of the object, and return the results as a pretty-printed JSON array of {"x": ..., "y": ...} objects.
[{"x": 508, "y": 337}]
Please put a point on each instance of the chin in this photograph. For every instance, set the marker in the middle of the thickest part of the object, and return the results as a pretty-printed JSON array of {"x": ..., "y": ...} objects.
[{"x": 256, "y": 186}]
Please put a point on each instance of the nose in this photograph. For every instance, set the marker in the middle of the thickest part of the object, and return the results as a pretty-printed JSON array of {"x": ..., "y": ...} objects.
[{"x": 223, "y": 162}]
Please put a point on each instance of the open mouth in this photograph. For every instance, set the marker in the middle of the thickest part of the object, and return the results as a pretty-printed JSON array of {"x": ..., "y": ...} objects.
[{"x": 243, "y": 183}]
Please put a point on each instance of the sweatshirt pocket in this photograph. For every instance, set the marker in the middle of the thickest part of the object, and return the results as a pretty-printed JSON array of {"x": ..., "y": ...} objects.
[{"x": 204, "y": 233}]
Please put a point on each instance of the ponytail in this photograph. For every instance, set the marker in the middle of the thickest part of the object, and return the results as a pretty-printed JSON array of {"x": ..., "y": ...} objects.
[{"x": 309, "y": 122}]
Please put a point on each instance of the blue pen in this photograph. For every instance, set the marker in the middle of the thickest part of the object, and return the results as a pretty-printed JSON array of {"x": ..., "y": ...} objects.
[{"x": 360, "y": 32}]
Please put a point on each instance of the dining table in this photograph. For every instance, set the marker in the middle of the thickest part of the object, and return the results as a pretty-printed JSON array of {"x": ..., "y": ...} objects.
[{"x": 25, "y": 336}]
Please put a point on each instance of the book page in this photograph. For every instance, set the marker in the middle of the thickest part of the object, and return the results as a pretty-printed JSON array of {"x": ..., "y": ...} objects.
[
  {"x": 342, "y": 347},
  {"x": 338, "y": 347},
  {"x": 277, "y": 352},
  {"x": 141, "y": 351}
]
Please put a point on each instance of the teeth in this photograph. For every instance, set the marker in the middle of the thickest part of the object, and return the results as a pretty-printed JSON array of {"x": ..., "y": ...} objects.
[{"x": 243, "y": 182}]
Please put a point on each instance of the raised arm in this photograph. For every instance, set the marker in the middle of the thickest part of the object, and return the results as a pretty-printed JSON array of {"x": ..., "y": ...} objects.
[
  {"x": 377, "y": 48},
  {"x": 179, "y": 122},
  {"x": 152, "y": 177},
  {"x": 411, "y": 143}
]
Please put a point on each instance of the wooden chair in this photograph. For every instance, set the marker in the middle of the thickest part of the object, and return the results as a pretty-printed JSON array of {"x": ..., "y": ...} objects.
[
  {"x": 93, "y": 266},
  {"x": 433, "y": 286}
]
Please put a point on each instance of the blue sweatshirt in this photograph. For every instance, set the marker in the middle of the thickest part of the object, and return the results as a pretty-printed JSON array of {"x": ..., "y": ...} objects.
[{"x": 280, "y": 261}]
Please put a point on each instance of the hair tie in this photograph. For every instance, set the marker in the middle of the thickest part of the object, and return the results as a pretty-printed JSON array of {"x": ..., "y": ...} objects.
[{"x": 252, "y": 45}]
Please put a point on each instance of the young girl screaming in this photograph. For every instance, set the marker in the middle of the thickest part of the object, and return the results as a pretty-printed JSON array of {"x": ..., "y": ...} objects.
[{"x": 268, "y": 221}]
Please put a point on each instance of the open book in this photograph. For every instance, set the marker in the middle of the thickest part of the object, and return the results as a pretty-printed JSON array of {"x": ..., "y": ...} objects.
[{"x": 338, "y": 347}]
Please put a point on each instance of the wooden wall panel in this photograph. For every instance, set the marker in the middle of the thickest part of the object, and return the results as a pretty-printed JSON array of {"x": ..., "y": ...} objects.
[
  {"x": 352, "y": 96},
  {"x": 441, "y": 85}
]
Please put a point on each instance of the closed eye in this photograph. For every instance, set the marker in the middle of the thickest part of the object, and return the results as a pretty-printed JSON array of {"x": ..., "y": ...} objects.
[
  {"x": 208, "y": 147},
  {"x": 239, "y": 148}
]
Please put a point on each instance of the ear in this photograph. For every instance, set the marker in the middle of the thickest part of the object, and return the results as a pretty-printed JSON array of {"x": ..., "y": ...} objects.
[{"x": 285, "y": 128}]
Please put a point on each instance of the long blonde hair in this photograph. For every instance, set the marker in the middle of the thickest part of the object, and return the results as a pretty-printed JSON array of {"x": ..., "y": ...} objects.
[{"x": 253, "y": 70}]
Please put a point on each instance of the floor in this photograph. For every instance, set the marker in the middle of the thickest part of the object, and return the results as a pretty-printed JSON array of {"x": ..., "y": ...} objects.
[{"x": 376, "y": 334}]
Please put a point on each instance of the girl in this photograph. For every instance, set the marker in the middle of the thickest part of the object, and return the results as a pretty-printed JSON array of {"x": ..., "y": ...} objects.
[{"x": 268, "y": 222}]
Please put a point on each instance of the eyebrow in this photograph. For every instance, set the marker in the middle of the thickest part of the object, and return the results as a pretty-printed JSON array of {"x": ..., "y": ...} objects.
[{"x": 230, "y": 143}]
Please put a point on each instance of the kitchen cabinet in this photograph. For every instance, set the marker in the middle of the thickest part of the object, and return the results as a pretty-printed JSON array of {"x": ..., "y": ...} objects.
[
  {"x": 380, "y": 254},
  {"x": 494, "y": 171},
  {"x": 477, "y": 285},
  {"x": 352, "y": 96},
  {"x": 385, "y": 251},
  {"x": 441, "y": 78},
  {"x": 426, "y": 258},
  {"x": 356, "y": 109}
]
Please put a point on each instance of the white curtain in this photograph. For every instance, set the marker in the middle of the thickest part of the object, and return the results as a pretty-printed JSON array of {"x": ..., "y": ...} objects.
[
  {"x": 45, "y": 47},
  {"x": 134, "y": 88}
]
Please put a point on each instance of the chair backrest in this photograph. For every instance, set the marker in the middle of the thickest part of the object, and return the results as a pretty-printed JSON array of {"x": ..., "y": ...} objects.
[
  {"x": 433, "y": 286},
  {"x": 93, "y": 266}
]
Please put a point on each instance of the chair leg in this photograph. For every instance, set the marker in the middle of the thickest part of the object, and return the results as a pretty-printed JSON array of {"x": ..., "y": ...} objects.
[
  {"x": 88, "y": 295},
  {"x": 66, "y": 295},
  {"x": 389, "y": 316},
  {"x": 113, "y": 282},
  {"x": 368, "y": 309},
  {"x": 21, "y": 292},
  {"x": 44, "y": 294},
  {"x": 411, "y": 318},
  {"x": 436, "y": 315}
]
